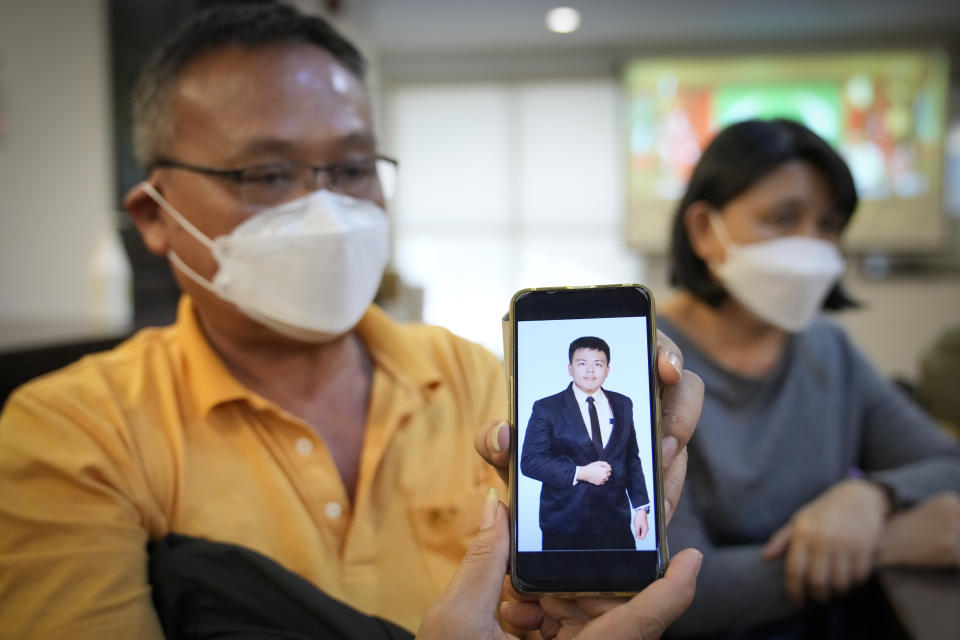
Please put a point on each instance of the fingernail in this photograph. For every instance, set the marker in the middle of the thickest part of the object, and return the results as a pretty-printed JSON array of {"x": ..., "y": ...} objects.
[
  {"x": 674, "y": 360},
  {"x": 495, "y": 439},
  {"x": 490, "y": 508},
  {"x": 667, "y": 506},
  {"x": 669, "y": 448}
]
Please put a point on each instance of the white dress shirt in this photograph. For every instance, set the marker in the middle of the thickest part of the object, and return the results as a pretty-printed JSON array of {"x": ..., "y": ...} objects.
[{"x": 603, "y": 412}]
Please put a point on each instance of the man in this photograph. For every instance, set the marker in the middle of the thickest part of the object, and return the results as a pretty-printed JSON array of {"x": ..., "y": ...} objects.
[
  {"x": 581, "y": 444},
  {"x": 281, "y": 413}
]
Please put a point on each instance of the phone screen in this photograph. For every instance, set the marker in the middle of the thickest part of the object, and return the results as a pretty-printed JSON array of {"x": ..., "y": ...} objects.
[{"x": 587, "y": 497}]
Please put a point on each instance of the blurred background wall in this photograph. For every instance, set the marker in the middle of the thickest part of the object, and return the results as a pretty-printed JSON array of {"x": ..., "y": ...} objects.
[
  {"x": 56, "y": 169},
  {"x": 512, "y": 141}
]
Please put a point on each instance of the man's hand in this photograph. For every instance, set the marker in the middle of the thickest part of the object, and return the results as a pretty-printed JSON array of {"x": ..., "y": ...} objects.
[
  {"x": 831, "y": 543},
  {"x": 928, "y": 535},
  {"x": 640, "y": 526},
  {"x": 645, "y": 617},
  {"x": 467, "y": 607},
  {"x": 595, "y": 473},
  {"x": 681, "y": 398}
]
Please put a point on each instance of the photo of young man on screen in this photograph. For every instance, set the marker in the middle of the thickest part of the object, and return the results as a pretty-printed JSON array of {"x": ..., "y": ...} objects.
[{"x": 582, "y": 445}]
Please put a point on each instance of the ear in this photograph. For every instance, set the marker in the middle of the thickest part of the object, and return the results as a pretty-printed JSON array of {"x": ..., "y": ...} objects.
[
  {"x": 149, "y": 219},
  {"x": 703, "y": 239},
  {"x": 570, "y": 369}
]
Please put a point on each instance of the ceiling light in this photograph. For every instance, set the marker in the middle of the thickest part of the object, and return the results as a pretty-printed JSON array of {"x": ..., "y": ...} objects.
[{"x": 563, "y": 20}]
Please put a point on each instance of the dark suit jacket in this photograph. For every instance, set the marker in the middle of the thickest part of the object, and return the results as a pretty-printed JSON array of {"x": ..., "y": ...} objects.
[{"x": 557, "y": 441}]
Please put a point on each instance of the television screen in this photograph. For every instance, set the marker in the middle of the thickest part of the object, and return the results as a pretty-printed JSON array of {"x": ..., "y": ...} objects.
[{"x": 885, "y": 113}]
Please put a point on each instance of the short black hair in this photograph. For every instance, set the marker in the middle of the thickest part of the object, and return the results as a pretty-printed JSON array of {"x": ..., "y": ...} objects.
[
  {"x": 590, "y": 342},
  {"x": 248, "y": 24},
  {"x": 737, "y": 158}
]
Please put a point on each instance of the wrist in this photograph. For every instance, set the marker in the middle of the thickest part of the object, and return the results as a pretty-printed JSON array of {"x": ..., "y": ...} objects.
[
  {"x": 894, "y": 545},
  {"x": 869, "y": 492},
  {"x": 883, "y": 494}
]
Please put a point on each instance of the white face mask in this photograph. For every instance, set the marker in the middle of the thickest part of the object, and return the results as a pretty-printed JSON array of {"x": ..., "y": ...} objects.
[
  {"x": 308, "y": 268},
  {"x": 783, "y": 281}
]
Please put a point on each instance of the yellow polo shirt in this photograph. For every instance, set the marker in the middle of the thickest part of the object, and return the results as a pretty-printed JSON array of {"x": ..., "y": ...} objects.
[{"x": 156, "y": 436}]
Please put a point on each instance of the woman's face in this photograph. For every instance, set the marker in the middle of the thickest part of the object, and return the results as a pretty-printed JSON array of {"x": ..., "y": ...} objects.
[
  {"x": 779, "y": 282},
  {"x": 793, "y": 200}
]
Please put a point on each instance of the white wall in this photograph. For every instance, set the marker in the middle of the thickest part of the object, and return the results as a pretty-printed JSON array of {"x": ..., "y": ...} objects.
[
  {"x": 55, "y": 158},
  {"x": 502, "y": 186},
  {"x": 901, "y": 318}
]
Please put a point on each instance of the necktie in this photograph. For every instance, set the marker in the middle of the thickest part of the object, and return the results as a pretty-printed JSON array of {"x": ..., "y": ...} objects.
[{"x": 595, "y": 426}]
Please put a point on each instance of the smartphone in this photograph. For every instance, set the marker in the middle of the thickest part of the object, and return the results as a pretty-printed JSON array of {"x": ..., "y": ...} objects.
[{"x": 585, "y": 473}]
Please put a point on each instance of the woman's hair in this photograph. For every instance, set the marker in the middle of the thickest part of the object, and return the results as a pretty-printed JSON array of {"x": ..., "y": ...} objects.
[{"x": 736, "y": 159}]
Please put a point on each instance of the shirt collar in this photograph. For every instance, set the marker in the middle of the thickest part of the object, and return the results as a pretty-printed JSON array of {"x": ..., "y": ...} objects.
[
  {"x": 581, "y": 395},
  {"x": 391, "y": 348},
  {"x": 211, "y": 382}
]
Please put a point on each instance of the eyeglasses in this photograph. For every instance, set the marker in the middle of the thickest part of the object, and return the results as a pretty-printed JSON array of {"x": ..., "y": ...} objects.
[{"x": 268, "y": 185}]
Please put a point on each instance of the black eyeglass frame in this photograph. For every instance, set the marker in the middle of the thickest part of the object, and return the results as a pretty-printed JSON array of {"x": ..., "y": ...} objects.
[{"x": 239, "y": 176}]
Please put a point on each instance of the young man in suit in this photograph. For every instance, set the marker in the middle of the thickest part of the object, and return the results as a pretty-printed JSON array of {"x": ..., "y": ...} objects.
[{"x": 581, "y": 444}]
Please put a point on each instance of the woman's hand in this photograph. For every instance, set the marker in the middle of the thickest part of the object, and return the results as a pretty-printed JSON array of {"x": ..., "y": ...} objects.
[
  {"x": 928, "y": 535},
  {"x": 831, "y": 543}
]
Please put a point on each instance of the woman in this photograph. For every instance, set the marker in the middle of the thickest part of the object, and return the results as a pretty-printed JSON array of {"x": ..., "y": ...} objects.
[{"x": 809, "y": 470}]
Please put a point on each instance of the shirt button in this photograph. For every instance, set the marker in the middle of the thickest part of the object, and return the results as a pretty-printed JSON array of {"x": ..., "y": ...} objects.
[
  {"x": 304, "y": 446},
  {"x": 333, "y": 510}
]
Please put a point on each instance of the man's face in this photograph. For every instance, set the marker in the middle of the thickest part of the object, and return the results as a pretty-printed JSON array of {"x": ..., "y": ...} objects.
[
  {"x": 242, "y": 107},
  {"x": 589, "y": 369}
]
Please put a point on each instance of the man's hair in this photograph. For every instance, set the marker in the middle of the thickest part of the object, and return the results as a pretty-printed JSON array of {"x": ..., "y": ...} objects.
[
  {"x": 736, "y": 159},
  {"x": 255, "y": 24},
  {"x": 590, "y": 342}
]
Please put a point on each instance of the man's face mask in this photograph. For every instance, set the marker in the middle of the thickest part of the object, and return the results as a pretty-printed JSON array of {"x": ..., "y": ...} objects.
[
  {"x": 307, "y": 269},
  {"x": 783, "y": 281}
]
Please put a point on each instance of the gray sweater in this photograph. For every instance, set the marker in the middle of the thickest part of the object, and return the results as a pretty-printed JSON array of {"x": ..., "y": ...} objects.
[{"x": 766, "y": 447}]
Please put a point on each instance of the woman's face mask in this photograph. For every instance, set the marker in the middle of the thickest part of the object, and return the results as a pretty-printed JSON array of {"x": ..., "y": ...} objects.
[
  {"x": 783, "y": 281},
  {"x": 307, "y": 269}
]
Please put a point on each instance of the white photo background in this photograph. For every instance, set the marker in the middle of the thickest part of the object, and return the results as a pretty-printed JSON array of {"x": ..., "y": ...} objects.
[{"x": 542, "y": 359}]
